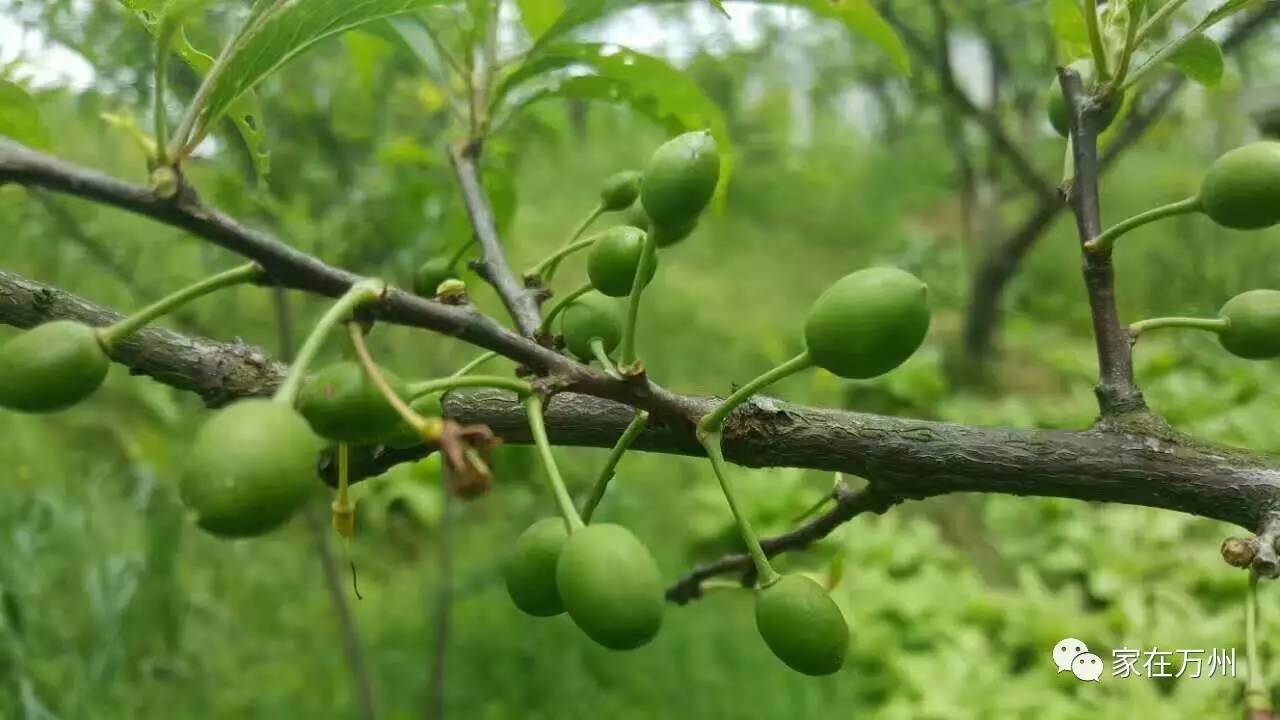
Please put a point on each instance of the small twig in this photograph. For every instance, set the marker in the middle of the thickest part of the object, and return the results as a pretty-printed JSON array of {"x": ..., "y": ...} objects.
[
  {"x": 848, "y": 505},
  {"x": 521, "y": 302},
  {"x": 1117, "y": 393}
]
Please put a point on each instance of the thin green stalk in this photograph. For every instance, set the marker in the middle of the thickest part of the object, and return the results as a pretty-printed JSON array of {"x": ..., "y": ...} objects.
[
  {"x": 1105, "y": 241},
  {"x": 1256, "y": 696},
  {"x": 1210, "y": 324},
  {"x": 109, "y": 336},
  {"x": 1130, "y": 44},
  {"x": 561, "y": 303},
  {"x": 602, "y": 357},
  {"x": 364, "y": 291},
  {"x": 643, "y": 269},
  {"x": 158, "y": 114},
  {"x": 634, "y": 428},
  {"x": 1156, "y": 18},
  {"x": 1095, "y": 40},
  {"x": 426, "y": 387},
  {"x": 460, "y": 252},
  {"x": 545, "y": 269},
  {"x": 187, "y": 136},
  {"x": 596, "y": 212},
  {"x": 764, "y": 571},
  {"x": 428, "y": 430},
  {"x": 474, "y": 364},
  {"x": 533, "y": 407},
  {"x": 713, "y": 422}
]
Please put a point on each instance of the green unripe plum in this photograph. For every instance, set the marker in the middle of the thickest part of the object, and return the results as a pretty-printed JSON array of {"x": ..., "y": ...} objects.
[
  {"x": 343, "y": 405},
  {"x": 1057, "y": 104},
  {"x": 636, "y": 217},
  {"x": 868, "y": 323},
  {"x": 430, "y": 405},
  {"x": 590, "y": 317},
  {"x": 530, "y": 570},
  {"x": 429, "y": 276},
  {"x": 668, "y": 236},
  {"x": 611, "y": 587},
  {"x": 620, "y": 191},
  {"x": 1241, "y": 190},
  {"x": 51, "y": 367},
  {"x": 802, "y": 625},
  {"x": 680, "y": 179},
  {"x": 251, "y": 467},
  {"x": 1253, "y": 325},
  {"x": 614, "y": 257}
]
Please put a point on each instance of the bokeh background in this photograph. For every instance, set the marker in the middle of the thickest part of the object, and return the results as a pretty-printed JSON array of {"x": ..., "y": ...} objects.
[{"x": 115, "y": 606}]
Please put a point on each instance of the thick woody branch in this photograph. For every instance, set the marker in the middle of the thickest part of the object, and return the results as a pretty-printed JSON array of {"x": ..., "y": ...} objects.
[
  {"x": 1117, "y": 393},
  {"x": 902, "y": 458},
  {"x": 521, "y": 302}
]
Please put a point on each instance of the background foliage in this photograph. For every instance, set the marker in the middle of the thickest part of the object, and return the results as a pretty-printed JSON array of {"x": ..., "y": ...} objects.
[{"x": 114, "y": 606}]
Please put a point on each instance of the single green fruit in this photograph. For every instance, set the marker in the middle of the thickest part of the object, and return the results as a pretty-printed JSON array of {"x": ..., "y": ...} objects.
[
  {"x": 1241, "y": 189},
  {"x": 868, "y": 323},
  {"x": 531, "y": 568},
  {"x": 252, "y": 466},
  {"x": 802, "y": 625},
  {"x": 430, "y": 405},
  {"x": 636, "y": 217},
  {"x": 1253, "y": 325},
  {"x": 51, "y": 367},
  {"x": 611, "y": 586},
  {"x": 589, "y": 317},
  {"x": 680, "y": 179},
  {"x": 343, "y": 404},
  {"x": 1057, "y": 105},
  {"x": 430, "y": 274},
  {"x": 668, "y": 236},
  {"x": 614, "y": 257},
  {"x": 620, "y": 191}
]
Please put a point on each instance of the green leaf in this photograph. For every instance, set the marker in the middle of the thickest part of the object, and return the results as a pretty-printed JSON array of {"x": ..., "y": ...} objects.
[
  {"x": 20, "y": 116},
  {"x": 719, "y": 5},
  {"x": 284, "y": 31},
  {"x": 246, "y": 112},
  {"x": 1200, "y": 59},
  {"x": 1070, "y": 30},
  {"x": 609, "y": 73},
  {"x": 539, "y": 15},
  {"x": 863, "y": 19}
]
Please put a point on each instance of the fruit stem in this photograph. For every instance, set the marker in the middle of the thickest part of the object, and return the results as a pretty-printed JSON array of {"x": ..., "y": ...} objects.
[
  {"x": 533, "y": 407},
  {"x": 343, "y": 513},
  {"x": 559, "y": 305},
  {"x": 428, "y": 430},
  {"x": 457, "y": 254},
  {"x": 1095, "y": 40},
  {"x": 643, "y": 268},
  {"x": 713, "y": 422},
  {"x": 627, "y": 437},
  {"x": 426, "y": 387},
  {"x": 109, "y": 336},
  {"x": 602, "y": 357},
  {"x": 1211, "y": 324},
  {"x": 544, "y": 267},
  {"x": 1105, "y": 241},
  {"x": 362, "y": 292},
  {"x": 474, "y": 364},
  {"x": 591, "y": 217},
  {"x": 765, "y": 573},
  {"x": 1130, "y": 45},
  {"x": 1256, "y": 696}
]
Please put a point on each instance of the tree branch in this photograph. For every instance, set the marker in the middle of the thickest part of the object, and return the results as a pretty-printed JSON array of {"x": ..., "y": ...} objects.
[
  {"x": 848, "y": 505},
  {"x": 521, "y": 302},
  {"x": 1117, "y": 393},
  {"x": 903, "y": 458}
]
